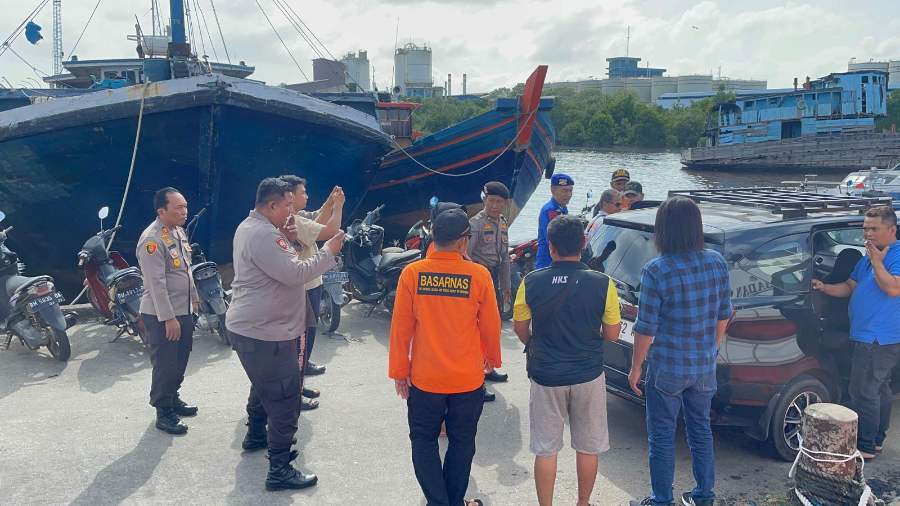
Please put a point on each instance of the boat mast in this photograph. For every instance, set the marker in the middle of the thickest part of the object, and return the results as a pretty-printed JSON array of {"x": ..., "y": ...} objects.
[{"x": 178, "y": 48}]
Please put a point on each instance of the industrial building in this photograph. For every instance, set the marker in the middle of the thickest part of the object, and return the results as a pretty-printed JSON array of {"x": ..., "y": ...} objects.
[
  {"x": 329, "y": 76},
  {"x": 357, "y": 71},
  {"x": 412, "y": 71},
  {"x": 892, "y": 68},
  {"x": 649, "y": 84}
]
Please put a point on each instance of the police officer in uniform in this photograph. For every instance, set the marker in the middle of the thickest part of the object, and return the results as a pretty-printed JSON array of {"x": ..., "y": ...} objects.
[
  {"x": 489, "y": 247},
  {"x": 164, "y": 256},
  {"x": 561, "y": 187},
  {"x": 263, "y": 324}
]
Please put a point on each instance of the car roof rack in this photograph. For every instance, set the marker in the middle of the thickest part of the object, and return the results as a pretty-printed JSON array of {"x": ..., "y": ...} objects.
[{"x": 787, "y": 202}]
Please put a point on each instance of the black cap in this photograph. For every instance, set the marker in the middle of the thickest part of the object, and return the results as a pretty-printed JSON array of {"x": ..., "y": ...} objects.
[
  {"x": 495, "y": 188},
  {"x": 632, "y": 187},
  {"x": 450, "y": 225},
  {"x": 444, "y": 206}
]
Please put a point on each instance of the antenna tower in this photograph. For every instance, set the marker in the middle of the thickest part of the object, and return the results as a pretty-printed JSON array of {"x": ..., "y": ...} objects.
[
  {"x": 628, "y": 40},
  {"x": 57, "y": 37}
]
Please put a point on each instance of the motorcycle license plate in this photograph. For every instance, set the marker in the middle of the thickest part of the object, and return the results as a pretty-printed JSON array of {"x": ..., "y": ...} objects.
[
  {"x": 130, "y": 293},
  {"x": 335, "y": 277},
  {"x": 46, "y": 300}
]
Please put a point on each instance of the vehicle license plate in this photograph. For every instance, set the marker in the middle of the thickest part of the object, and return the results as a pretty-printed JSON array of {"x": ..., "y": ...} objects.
[
  {"x": 130, "y": 293},
  {"x": 335, "y": 277},
  {"x": 46, "y": 300},
  {"x": 626, "y": 333}
]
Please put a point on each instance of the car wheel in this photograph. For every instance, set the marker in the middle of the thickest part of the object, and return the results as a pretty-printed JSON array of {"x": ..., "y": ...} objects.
[{"x": 784, "y": 436}]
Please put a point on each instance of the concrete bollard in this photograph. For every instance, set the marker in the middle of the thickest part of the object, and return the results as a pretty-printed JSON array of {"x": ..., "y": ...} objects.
[{"x": 829, "y": 469}]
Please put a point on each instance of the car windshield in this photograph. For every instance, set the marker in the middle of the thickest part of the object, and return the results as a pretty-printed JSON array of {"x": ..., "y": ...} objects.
[{"x": 621, "y": 253}]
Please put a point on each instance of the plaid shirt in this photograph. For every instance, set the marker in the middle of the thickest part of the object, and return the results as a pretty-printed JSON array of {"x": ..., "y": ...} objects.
[{"x": 682, "y": 298}]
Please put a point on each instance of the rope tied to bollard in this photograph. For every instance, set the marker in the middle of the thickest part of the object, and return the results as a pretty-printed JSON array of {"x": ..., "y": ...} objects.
[{"x": 830, "y": 458}]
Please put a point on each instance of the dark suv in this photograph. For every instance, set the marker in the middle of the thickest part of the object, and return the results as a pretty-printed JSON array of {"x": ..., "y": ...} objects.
[{"x": 787, "y": 347}]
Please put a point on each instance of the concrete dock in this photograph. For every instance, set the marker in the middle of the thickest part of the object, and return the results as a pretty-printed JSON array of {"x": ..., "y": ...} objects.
[{"x": 82, "y": 433}]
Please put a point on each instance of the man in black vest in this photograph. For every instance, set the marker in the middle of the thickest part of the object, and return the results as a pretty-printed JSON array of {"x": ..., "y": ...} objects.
[{"x": 563, "y": 313}]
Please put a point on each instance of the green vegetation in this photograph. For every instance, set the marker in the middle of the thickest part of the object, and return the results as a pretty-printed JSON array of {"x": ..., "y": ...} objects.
[
  {"x": 590, "y": 119},
  {"x": 893, "y": 112}
]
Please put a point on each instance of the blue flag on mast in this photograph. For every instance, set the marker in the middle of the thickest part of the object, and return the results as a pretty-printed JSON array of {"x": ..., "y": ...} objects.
[{"x": 33, "y": 32}]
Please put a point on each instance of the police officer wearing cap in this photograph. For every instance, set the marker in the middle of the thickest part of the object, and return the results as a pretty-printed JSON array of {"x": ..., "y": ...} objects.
[
  {"x": 561, "y": 187},
  {"x": 164, "y": 256},
  {"x": 447, "y": 306},
  {"x": 489, "y": 247},
  {"x": 263, "y": 324},
  {"x": 618, "y": 180}
]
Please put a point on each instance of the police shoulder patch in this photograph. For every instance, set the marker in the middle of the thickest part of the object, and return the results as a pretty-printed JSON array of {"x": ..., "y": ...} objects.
[
  {"x": 282, "y": 243},
  {"x": 151, "y": 247}
]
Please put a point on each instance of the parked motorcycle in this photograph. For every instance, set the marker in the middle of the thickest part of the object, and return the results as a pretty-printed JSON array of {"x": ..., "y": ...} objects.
[
  {"x": 30, "y": 310},
  {"x": 373, "y": 271},
  {"x": 113, "y": 287},
  {"x": 333, "y": 297},
  {"x": 213, "y": 297}
]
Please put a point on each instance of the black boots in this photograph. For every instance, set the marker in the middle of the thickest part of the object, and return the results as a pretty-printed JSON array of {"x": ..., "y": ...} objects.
[
  {"x": 183, "y": 409},
  {"x": 168, "y": 421},
  {"x": 256, "y": 438},
  {"x": 283, "y": 476}
]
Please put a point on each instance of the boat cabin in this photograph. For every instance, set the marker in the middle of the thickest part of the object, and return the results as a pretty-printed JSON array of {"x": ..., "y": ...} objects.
[
  {"x": 116, "y": 73},
  {"x": 840, "y": 103},
  {"x": 395, "y": 119}
]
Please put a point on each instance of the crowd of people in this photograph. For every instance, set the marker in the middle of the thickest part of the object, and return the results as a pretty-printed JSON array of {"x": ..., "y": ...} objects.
[{"x": 446, "y": 330}]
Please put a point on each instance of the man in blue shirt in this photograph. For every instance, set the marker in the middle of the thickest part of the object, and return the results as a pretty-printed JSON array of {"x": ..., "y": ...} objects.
[
  {"x": 874, "y": 291},
  {"x": 684, "y": 309},
  {"x": 561, "y": 187}
]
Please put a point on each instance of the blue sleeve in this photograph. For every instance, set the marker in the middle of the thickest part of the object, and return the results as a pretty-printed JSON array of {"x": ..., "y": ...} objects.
[
  {"x": 892, "y": 264},
  {"x": 725, "y": 307},
  {"x": 648, "y": 305},
  {"x": 543, "y": 222},
  {"x": 858, "y": 270}
]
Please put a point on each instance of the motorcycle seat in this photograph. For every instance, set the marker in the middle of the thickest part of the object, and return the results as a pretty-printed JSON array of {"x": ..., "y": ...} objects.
[
  {"x": 15, "y": 283},
  {"x": 388, "y": 258},
  {"x": 122, "y": 273}
]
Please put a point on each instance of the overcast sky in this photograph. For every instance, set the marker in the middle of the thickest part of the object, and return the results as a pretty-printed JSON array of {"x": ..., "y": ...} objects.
[{"x": 498, "y": 42}]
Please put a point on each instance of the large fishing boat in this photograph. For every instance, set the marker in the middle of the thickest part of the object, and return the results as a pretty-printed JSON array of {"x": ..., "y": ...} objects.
[
  {"x": 211, "y": 135},
  {"x": 827, "y": 125}
]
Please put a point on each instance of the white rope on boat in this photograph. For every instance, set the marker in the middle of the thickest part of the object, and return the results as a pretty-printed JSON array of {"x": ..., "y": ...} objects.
[{"x": 830, "y": 458}]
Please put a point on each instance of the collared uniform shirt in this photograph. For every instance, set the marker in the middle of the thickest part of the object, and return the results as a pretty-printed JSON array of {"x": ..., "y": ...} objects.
[
  {"x": 268, "y": 291},
  {"x": 682, "y": 299},
  {"x": 591, "y": 230},
  {"x": 550, "y": 210},
  {"x": 875, "y": 315},
  {"x": 445, "y": 324},
  {"x": 308, "y": 230},
  {"x": 164, "y": 256},
  {"x": 489, "y": 246}
]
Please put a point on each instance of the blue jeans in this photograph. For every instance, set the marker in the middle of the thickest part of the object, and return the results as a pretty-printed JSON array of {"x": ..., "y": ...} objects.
[{"x": 666, "y": 394}]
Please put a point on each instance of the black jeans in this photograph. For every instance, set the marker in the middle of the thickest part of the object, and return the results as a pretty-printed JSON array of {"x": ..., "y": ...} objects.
[
  {"x": 169, "y": 358},
  {"x": 274, "y": 385},
  {"x": 870, "y": 391},
  {"x": 443, "y": 485}
]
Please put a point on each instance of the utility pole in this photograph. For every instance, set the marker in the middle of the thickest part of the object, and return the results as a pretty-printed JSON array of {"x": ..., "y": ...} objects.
[
  {"x": 57, "y": 37},
  {"x": 627, "y": 40}
]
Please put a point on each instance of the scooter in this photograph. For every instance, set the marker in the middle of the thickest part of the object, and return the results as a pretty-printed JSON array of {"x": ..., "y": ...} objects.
[
  {"x": 113, "y": 287},
  {"x": 373, "y": 271},
  {"x": 30, "y": 310},
  {"x": 333, "y": 297},
  {"x": 213, "y": 297}
]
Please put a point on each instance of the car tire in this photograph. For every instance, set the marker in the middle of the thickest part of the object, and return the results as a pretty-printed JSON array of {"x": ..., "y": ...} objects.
[{"x": 785, "y": 423}]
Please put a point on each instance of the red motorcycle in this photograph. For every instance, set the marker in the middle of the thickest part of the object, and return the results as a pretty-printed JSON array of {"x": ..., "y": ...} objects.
[{"x": 113, "y": 287}]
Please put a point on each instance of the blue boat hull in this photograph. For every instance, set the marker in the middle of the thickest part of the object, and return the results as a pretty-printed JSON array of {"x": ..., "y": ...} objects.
[
  {"x": 213, "y": 145},
  {"x": 455, "y": 156}
]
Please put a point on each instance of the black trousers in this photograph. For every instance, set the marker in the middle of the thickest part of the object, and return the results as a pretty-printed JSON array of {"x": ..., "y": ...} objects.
[
  {"x": 443, "y": 485},
  {"x": 169, "y": 358},
  {"x": 870, "y": 391},
  {"x": 274, "y": 385}
]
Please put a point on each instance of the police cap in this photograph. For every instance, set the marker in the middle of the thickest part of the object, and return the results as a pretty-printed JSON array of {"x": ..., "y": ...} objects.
[
  {"x": 495, "y": 188},
  {"x": 450, "y": 225},
  {"x": 561, "y": 180},
  {"x": 632, "y": 188}
]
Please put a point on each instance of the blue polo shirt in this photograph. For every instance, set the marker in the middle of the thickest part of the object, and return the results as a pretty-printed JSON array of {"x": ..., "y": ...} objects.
[
  {"x": 551, "y": 210},
  {"x": 874, "y": 315}
]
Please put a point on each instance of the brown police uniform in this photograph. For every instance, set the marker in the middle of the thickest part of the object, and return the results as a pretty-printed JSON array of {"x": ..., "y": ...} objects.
[
  {"x": 308, "y": 230},
  {"x": 265, "y": 317},
  {"x": 489, "y": 247},
  {"x": 164, "y": 256}
]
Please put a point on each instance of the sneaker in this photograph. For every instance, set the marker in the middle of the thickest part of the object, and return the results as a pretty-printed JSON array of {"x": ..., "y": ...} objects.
[
  {"x": 687, "y": 499},
  {"x": 645, "y": 502}
]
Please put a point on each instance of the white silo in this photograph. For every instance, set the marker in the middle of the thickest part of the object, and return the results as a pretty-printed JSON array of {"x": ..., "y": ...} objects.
[
  {"x": 894, "y": 75},
  {"x": 695, "y": 84},
  {"x": 661, "y": 85},
  {"x": 358, "y": 72},
  {"x": 640, "y": 86},
  {"x": 412, "y": 70}
]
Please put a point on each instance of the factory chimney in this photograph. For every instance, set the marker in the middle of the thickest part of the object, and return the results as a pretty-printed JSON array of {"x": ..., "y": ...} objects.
[
  {"x": 449, "y": 85},
  {"x": 464, "y": 84}
]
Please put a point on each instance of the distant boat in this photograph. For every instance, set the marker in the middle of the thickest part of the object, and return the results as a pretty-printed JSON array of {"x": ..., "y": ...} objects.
[
  {"x": 828, "y": 125},
  {"x": 515, "y": 141},
  {"x": 210, "y": 135}
]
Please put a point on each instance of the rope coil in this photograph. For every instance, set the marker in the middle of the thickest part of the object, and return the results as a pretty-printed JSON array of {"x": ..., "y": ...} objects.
[{"x": 829, "y": 458}]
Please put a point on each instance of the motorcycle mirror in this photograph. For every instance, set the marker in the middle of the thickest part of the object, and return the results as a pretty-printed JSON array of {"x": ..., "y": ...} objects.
[
  {"x": 2, "y": 216},
  {"x": 104, "y": 212},
  {"x": 433, "y": 202}
]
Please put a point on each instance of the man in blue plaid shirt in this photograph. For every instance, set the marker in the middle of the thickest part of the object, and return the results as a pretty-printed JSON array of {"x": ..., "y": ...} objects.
[{"x": 685, "y": 306}]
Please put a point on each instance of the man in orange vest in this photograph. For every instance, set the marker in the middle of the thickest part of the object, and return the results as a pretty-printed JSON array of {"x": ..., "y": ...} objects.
[{"x": 447, "y": 307}]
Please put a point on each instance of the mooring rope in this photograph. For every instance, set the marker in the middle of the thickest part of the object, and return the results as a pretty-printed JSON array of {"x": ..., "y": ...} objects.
[{"x": 830, "y": 458}]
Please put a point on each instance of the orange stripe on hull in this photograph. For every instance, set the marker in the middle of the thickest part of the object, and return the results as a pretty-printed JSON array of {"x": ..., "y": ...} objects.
[
  {"x": 446, "y": 168},
  {"x": 400, "y": 156}
]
